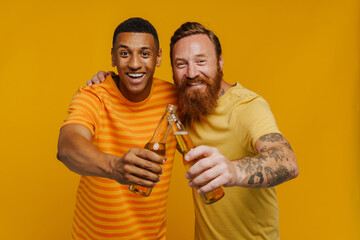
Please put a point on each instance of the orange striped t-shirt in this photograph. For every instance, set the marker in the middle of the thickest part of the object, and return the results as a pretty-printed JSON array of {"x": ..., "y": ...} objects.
[{"x": 104, "y": 208}]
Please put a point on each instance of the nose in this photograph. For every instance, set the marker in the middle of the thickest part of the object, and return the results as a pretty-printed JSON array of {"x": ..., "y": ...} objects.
[
  {"x": 135, "y": 62},
  {"x": 192, "y": 71}
]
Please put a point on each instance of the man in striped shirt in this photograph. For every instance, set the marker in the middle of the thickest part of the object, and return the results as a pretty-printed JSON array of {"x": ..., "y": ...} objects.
[{"x": 103, "y": 137}]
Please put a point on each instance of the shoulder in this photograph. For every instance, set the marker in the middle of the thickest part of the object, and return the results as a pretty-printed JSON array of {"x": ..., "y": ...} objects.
[
  {"x": 162, "y": 83},
  {"x": 162, "y": 86},
  {"x": 98, "y": 90},
  {"x": 163, "y": 93},
  {"x": 240, "y": 96},
  {"x": 247, "y": 105}
]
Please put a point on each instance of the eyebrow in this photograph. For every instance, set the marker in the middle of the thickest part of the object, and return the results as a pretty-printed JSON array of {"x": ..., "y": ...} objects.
[
  {"x": 124, "y": 46},
  {"x": 201, "y": 55},
  {"x": 196, "y": 56}
]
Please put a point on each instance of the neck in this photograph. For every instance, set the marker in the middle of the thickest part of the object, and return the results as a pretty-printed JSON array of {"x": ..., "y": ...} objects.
[{"x": 224, "y": 86}]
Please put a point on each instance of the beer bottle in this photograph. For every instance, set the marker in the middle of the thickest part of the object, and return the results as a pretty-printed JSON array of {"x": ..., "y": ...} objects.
[
  {"x": 157, "y": 145},
  {"x": 185, "y": 145}
]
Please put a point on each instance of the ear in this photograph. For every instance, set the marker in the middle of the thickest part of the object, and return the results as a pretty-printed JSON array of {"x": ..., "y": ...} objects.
[
  {"x": 113, "y": 57},
  {"x": 221, "y": 62},
  {"x": 159, "y": 58}
]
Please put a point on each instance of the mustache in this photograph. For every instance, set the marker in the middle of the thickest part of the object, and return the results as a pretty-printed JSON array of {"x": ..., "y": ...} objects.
[{"x": 188, "y": 81}]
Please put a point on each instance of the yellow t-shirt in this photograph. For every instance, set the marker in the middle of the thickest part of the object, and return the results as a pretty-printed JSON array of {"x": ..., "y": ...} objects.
[
  {"x": 104, "y": 208},
  {"x": 241, "y": 118}
]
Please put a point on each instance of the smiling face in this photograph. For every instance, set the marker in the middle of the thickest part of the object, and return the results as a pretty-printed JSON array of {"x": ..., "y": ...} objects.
[
  {"x": 197, "y": 73},
  {"x": 135, "y": 56},
  {"x": 195, "y": 57}
]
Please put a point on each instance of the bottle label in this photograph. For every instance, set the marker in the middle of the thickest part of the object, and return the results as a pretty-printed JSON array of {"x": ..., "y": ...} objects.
[{"x": 156, "y": 146}]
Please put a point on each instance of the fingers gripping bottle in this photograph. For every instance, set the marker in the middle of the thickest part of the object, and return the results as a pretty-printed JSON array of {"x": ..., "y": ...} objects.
[
  {"x": 157, "y": 145},
  {"x": 185, "y": 145}
]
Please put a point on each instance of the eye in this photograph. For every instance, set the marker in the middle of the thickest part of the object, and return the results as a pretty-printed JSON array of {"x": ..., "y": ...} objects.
[
  {"x": 145, "y": 54},
  {"x": 124, "y": 54},
  {"x": 180, "y": 64},
  {"x": 201, "y": 61}
]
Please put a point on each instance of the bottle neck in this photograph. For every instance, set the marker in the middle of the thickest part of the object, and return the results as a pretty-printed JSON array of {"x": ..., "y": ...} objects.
[
  {"x": 163, "y": 128},
  {"x": 162, "y": 131},
  {"x": 182, "y": 137}
]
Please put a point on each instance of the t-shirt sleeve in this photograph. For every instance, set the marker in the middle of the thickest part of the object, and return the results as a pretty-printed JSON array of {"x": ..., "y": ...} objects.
[
  {"x": 258, "y": 120},
  {"x": 84, "y": 109}
]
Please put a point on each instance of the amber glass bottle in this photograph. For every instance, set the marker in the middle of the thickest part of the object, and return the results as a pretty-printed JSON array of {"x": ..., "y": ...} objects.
[
  {"x": 185, "y": 145},
  {"x": 157, "y": 145}
]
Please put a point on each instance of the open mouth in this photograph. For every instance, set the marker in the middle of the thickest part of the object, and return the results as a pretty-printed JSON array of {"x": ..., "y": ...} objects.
[
  {"x": 195, "y": 83},
  {"x": 135, "y": 75}
]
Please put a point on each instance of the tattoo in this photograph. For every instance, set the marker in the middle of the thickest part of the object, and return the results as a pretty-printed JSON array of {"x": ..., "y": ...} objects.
[
  {"x": 277, "y": 154},
  {"x": 275, "y": 177},
  {"x": 272, "y": 166},
  {"x": 272, "y": 137},
  {"x": 287, "y": 144},
  {"x": 257, "y": 178},
  {"x": 222, "y": 92},
  {"x": 263, "y": 149},
  {"x": 249, "y": 165}
]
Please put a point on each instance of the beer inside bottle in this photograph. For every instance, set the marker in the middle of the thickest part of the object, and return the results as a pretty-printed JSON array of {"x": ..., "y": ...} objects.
[
  {"x": 185, "y": 144},
  {"x": 158, "y": 148},
  {"x": 157, "y": 145}
]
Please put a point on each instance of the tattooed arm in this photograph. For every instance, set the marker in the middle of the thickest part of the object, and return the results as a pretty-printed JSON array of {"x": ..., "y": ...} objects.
[{"x": 274, "y": 164}]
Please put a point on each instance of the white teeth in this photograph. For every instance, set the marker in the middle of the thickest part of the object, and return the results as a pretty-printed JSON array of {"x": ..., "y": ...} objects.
[
  {"x": 135, "y": 75},
  {"x": 194, "y": 83}
]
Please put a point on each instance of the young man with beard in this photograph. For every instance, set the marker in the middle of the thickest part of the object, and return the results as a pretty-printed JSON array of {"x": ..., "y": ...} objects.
[
  {"x": 103, "y": 140},
  {"x": 239, "y": 144}
]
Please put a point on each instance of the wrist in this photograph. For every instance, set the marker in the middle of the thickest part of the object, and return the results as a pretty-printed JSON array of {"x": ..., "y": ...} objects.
[
  {"x": 110, "y": 166},
  {"x": 240, "y": 179}
]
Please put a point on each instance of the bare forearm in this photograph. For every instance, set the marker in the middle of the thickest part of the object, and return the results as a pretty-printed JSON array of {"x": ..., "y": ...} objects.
[
  {"x": 81, "y": 156},
  {"x": 137, "y": 166},
  {"x": 275, "y": 164}
]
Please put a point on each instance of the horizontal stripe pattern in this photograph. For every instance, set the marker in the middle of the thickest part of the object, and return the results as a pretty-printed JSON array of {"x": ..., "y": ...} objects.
[{"x": 104, "y": 208}]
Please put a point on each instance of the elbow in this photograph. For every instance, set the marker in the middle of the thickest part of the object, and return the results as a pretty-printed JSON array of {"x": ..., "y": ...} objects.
[
  {"x": 61, "y": 154},
  {"x": 295, "y": 168},
  {"x": 296, "y": 171}
]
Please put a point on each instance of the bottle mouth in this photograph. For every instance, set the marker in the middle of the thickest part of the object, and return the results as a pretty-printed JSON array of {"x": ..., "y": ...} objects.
[{"x": 171, "y": 108}]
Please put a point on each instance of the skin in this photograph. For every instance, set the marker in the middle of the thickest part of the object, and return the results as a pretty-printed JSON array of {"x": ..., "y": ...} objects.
[
  {"x": 135, "y": 56},
  {"x": 195, "y": 56},
  {"x": 133, "y": 53},
  {"x": 275, "y": 162}
]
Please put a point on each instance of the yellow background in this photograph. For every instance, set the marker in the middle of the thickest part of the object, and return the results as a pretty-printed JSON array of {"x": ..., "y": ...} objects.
[{"x": 301, "y": 55}]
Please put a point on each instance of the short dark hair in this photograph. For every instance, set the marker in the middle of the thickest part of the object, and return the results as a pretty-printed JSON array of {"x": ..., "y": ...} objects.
[
  {"x": 137, "y": 25},
  {"x": 192, "y": 28}
]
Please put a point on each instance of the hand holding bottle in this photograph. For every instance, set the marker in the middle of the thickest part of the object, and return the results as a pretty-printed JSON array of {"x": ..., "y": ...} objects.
[
  {"x": 138, "y": 166},
  {"x": 185, "y": 145},
  {"x": 211, "y": 169},
  {"x": 80, "y": 155},
  {"x": 157, "y": 146}
]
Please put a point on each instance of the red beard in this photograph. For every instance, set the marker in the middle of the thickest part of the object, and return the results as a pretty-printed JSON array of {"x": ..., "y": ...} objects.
[{"x": 195, "y": 105}]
